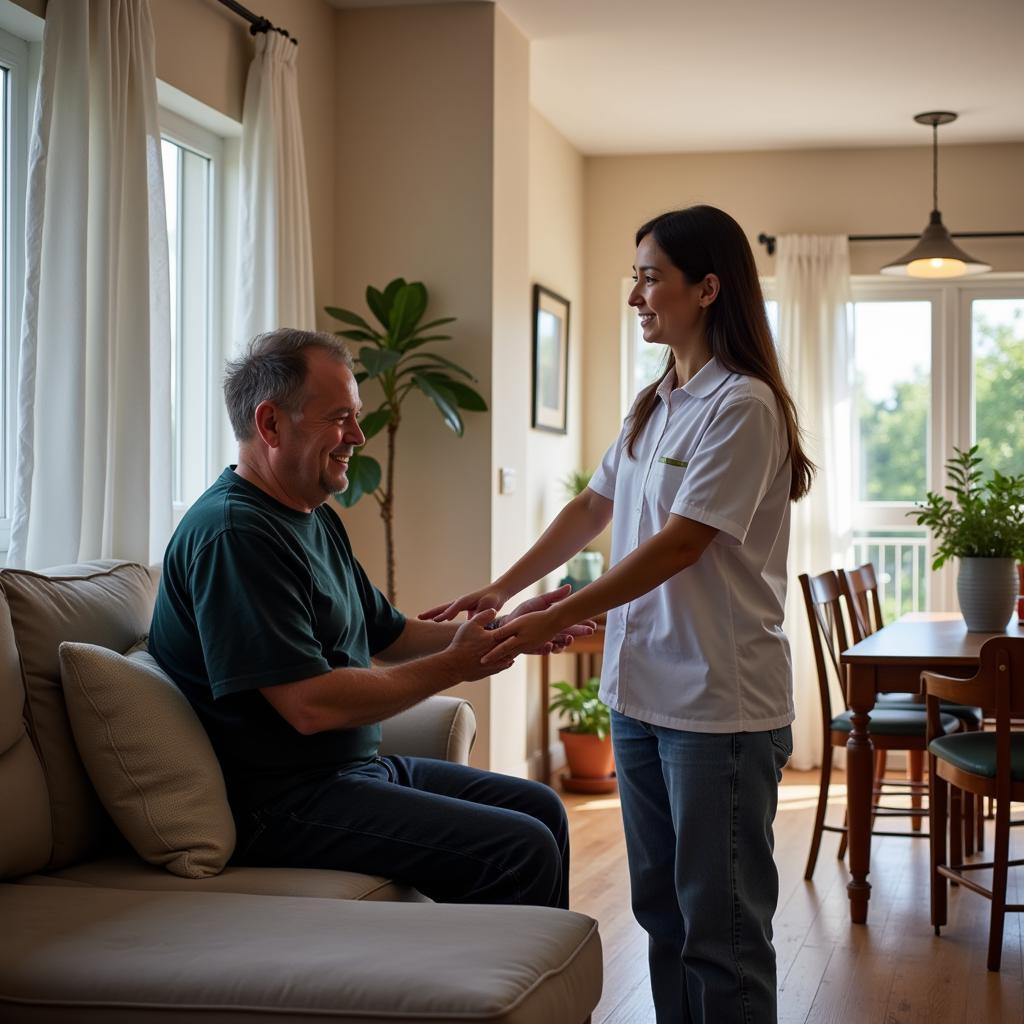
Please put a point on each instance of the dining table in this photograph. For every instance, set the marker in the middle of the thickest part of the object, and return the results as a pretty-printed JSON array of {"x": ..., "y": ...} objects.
[{"x": 891, "y": 660}]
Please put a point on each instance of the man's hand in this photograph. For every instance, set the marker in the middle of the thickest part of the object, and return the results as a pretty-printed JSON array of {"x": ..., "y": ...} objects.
[
  {"x": 560, "y": 641},
  {"x": 469, "y": 645}
]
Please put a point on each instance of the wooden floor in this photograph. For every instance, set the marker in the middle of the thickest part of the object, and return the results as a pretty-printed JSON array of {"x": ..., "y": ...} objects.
[{"x": 893, "y": 970}]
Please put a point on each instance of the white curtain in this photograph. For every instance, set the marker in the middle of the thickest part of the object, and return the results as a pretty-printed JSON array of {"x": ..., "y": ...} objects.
[
  {"x": 93, "y": 474},
  {"x": 275, "y": 256},
  {"x": 813, "y": 291}
]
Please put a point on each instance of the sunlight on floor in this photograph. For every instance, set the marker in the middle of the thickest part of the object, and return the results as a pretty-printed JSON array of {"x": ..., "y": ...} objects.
[
  {"x": 802, "y": 797},
  {"x": 600, "y": 805}
]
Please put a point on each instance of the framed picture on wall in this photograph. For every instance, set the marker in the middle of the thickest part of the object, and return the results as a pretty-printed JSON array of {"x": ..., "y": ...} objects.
[{"x": 550, "y": 360}]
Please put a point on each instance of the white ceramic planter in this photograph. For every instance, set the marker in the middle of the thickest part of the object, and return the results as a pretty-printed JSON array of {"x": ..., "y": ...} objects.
[{"x": 987, "y": 591}]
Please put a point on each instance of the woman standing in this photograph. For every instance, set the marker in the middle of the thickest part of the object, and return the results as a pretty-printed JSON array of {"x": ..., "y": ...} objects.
[{"x": 696, "y": 666}]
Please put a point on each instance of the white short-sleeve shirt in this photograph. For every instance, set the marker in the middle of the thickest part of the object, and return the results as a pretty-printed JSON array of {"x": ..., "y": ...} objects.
[{"x": 705, "y": 651}]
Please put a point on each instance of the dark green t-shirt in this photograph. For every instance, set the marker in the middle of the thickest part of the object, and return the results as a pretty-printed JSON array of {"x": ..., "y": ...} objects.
[{"x": 255, "y": 594}]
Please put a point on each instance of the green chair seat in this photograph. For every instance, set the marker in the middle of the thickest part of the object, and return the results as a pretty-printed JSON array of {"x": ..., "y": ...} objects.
[
  {"x": 964, "y": 712},
  {"x": 975, "y": 752},
  {"x": 896, "y": 722}
]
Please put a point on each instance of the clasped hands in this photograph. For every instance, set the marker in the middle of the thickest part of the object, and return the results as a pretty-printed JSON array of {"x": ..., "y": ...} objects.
[{"x": 530, "y": 628}]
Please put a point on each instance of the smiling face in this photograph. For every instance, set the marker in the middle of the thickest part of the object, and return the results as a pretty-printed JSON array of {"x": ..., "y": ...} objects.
[
  {"x": 671, "y": 309},
  {"x": 310, "y": 459}
]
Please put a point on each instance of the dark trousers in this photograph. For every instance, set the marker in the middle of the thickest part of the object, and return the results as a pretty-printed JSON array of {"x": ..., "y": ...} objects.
[{"x": 457, "y": 834}]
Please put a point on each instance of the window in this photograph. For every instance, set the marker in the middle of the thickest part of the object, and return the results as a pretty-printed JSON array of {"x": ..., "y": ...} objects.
[
  {"x": 193, "y": 164},
  {"x": 934, "y": 367},
  {"x": 14, "y": 107},
  {"x": 997, "y": 365}
]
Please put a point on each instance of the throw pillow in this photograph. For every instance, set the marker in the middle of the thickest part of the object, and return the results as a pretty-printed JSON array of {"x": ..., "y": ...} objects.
[{"x": 149, "y": 759}]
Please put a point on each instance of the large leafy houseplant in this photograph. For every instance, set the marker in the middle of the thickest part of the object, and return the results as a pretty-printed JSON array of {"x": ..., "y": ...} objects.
[
  {"x": 982, "y": 525},
  {"x": 982, "y": 520},
  {"x": 393, "y": 355}
]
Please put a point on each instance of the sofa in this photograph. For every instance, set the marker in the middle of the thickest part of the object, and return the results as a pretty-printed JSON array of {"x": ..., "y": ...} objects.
[{"x": 92, "y": 931}]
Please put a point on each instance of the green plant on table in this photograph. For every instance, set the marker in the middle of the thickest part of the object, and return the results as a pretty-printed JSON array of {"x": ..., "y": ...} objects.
[
  {"x": 582, "y": 708},
  {"x": 394, "y": 357},
  {"x": 982, "y": 520}
]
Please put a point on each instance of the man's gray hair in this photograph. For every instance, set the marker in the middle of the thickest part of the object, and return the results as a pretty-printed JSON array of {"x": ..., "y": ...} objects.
[{"x": 273, "y": 369}]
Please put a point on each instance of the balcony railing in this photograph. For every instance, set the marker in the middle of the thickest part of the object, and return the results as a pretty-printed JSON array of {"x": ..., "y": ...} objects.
[{"x": 900, "y": 558}]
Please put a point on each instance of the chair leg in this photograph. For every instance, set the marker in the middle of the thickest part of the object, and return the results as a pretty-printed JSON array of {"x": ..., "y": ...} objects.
[
  {"x": 937, "y": 794},
  {"x": 819, "y": 817},
  {"x": 979, "y": 823},
  {"x": 1000, "y": 867},
  {"x": 915, "y": 773},
  {"x": 956, "y": 827},
  {"x": 843, "y": 839},
  {"x": 969, "y": 830}
]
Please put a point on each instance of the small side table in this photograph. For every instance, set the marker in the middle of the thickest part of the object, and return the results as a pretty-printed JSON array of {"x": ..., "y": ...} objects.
[{"x": 587, "y": 650}]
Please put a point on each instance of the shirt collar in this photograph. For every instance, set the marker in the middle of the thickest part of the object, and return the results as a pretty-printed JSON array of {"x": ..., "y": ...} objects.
[
  {"x": 707, "y": 380},
  {"x": 704, "y": 383}
]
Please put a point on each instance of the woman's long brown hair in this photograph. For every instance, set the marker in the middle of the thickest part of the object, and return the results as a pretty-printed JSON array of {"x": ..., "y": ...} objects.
[{"x": 702, "y": 240}]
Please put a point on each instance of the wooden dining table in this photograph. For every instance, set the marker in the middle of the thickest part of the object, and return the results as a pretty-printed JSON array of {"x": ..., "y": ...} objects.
[{"x": 892, "y": 660}]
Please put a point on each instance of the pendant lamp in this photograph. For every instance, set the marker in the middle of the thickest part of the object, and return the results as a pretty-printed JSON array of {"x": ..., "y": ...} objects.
[{"x": 936, "y": 254}]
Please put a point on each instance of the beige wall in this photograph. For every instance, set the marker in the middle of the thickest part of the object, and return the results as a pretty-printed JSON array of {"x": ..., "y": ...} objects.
[
  {"x": 855, "y": 191},
  {"x": 432, "y": 150},
  {"x": 556, "y": 262},
  {"x": 205, "y": 50}
]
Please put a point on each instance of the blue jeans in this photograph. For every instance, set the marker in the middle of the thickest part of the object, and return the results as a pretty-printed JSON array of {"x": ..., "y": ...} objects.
[
  {"x": 698, "y": 811},
  {"x": 457, "y": 834}
]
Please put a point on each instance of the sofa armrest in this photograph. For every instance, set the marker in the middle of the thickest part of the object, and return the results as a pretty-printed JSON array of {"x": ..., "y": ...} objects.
[{"x": 440, "y": 727}]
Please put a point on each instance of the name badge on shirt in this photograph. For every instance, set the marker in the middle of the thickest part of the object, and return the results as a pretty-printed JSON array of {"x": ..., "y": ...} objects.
[{"x": 673, "y": 462}]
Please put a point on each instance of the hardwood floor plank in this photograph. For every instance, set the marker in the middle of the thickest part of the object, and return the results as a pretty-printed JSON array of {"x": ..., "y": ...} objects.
[{"x": 892, "y": 970}]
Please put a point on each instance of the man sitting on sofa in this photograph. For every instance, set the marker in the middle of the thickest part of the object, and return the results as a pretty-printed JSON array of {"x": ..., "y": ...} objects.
[{"x": 267, "y": 623}]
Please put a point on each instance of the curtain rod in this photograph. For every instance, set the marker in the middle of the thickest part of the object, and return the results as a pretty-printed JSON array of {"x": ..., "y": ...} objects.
[
  {"x": 768, "y": 241},
  {"x": 257, "y": 23}
]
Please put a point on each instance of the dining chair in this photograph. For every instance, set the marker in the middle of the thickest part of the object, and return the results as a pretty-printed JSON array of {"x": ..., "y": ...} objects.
[
  {"x": 987, "y": 764},
  {"x": 898, "y": 728},
  {"x": 860, "y": 589}
]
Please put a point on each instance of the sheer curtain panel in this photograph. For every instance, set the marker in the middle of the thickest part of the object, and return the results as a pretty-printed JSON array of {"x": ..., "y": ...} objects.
[
  {"x": 93, "y": 462},
  {"x": 813, "y": 290},
  {"x": 275, "y": 256}
]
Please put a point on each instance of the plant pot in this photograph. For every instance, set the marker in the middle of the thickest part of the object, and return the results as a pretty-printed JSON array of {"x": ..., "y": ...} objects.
[
  {"x": 1020, "y": 592},
  {"x": 591, "y": 762},
  {"x": 987, "y": 591}
]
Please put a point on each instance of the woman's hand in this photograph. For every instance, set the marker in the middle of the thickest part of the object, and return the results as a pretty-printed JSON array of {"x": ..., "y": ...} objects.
[
  {"x": 525, "y": 633},
  {"x": 561, "y": 640},
  {"x": 486, "y": 597}
]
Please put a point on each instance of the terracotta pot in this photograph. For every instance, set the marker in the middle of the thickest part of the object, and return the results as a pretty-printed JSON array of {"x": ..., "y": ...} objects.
[{"x": 588, "y": 757}]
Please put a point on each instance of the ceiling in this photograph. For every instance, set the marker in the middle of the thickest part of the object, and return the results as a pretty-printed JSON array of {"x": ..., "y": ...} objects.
[{"x": 669, "y": 76}]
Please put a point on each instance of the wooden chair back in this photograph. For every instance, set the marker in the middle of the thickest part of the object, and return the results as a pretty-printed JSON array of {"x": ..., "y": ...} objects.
[
  {"x": 998, "y": 687},
  {"x": 860, "y": 588},
  {"x": 828, "y": 636}
]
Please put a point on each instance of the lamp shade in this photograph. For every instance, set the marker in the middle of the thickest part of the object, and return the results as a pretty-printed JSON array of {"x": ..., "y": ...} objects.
[{"x": 936, "y": 255}]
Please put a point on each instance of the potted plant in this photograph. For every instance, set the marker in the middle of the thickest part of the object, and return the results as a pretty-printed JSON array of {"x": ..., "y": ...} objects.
[
  {"x": 394, "y": 357},
  {"x": 982, "y": 526},
  {"x": 585, "y": 566},
  {"x": 586, "y": 737}
]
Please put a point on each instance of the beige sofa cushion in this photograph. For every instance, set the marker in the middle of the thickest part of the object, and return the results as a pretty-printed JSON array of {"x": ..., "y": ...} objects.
[
  {"x": 129, "y": 872},
  {"x": 149, "y": 759},
  {"x": 24, "y": 846},
  {"x": 107, "y": 603},
  {"x": 75, "y": 954}
]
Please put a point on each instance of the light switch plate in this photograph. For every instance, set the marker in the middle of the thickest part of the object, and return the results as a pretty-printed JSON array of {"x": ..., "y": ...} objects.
[{"x": 506, "y": 480}]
